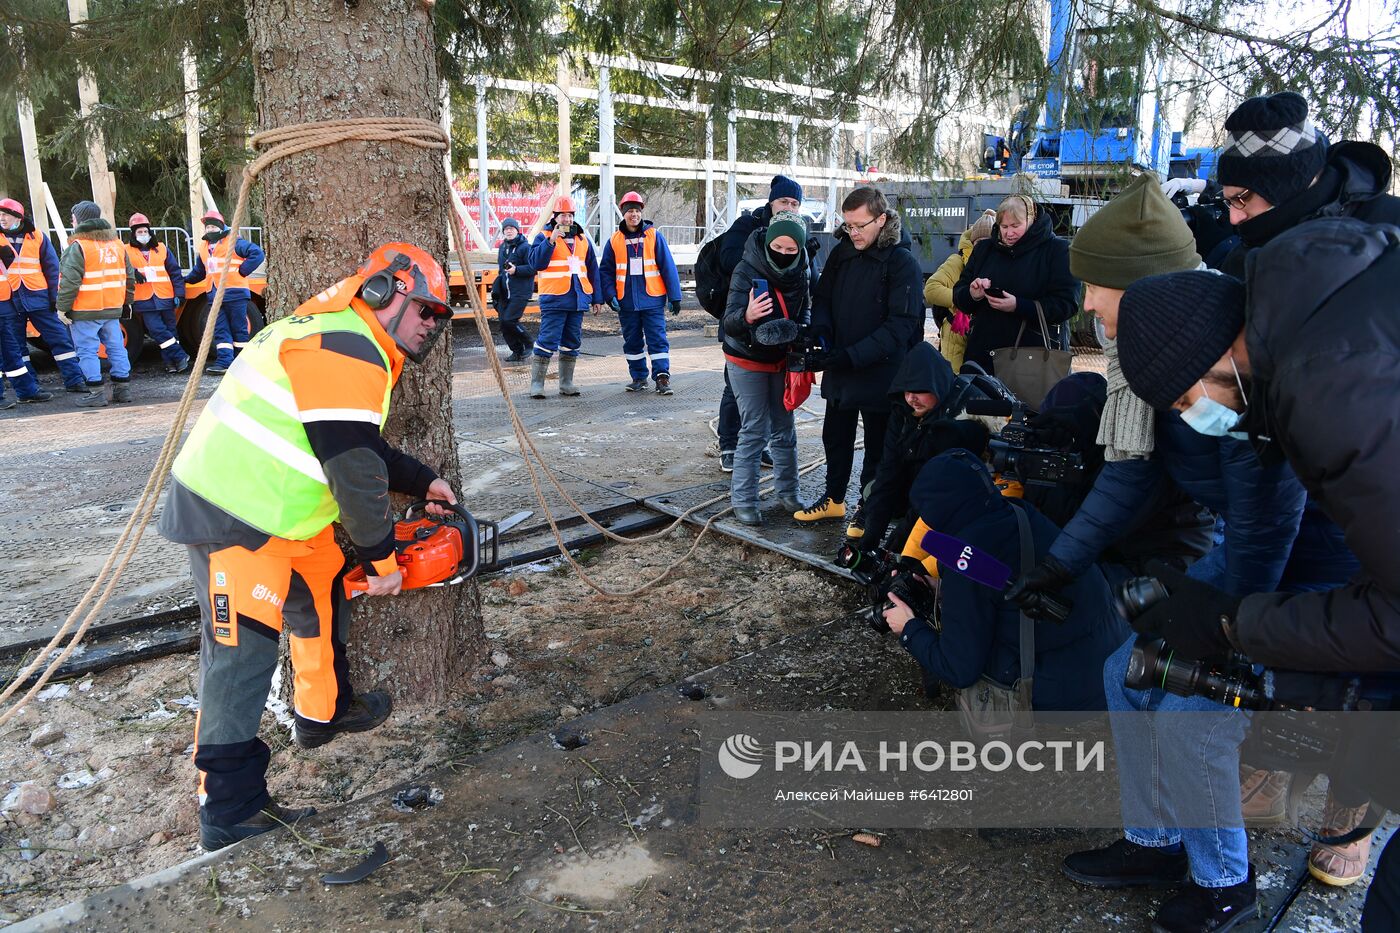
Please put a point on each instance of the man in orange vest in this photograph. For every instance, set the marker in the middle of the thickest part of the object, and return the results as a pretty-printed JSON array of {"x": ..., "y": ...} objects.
[
  {"x": 638, "y": 276},
  {"x": 218, "y": 249},
  {"x": 159, "y": 290},
  {"x": 12, "y": 366},
  {"x": 567, "y": 277},
  {"x": 33, "y": 277},
  {"x": 95, "y": 282}
]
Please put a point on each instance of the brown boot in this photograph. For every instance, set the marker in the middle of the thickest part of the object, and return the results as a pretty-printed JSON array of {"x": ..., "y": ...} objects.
[
  {"x": 1264, "y": 796},
  {"x": 1340, "y": 866}
]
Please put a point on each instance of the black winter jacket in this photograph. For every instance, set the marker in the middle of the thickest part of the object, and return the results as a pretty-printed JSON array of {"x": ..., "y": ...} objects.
[
  {"x": 522, "y": 283},
  {"x": 737, "y": 332},
  {"x": 1036, "y": 268},
  {"x": 1353, "y": 184},
  {"x": 911, "y": 441},
  {"x": 868, "y": 306},
  {"x": 1324, "y": 356}
]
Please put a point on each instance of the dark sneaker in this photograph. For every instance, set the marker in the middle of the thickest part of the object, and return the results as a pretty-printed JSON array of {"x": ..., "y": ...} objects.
[
  {"x": 663, "y": 384},
  {"x": 96, "y": 398},
  {"x": 1125, "y": 864},
  {"x": 213, "y": 838},
  {"x": 726, "y": 461},
  {"x": 1195, "y": 909},
  {"x": 637, "y": 385},
  {"x": 180, "y": 367},
  {"x": 366, "y": 711},
  {"x": 40, "y": 396},
  {"x": 765, "y": 459}
]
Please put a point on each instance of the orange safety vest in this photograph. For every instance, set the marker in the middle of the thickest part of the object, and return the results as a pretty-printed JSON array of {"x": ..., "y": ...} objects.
[
  {"x": 104, "y": 276},
  {"x": 27, "y": 270},
  {"x": 151, "y": 265},
  {"x": 5, "y": 289},
  {"x": 563, "y": 266},
  {"x": 217, "y": 258},
  {"x": 622, "y": 261}
]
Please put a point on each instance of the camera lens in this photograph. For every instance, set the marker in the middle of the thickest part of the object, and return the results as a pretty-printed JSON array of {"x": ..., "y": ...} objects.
[{"x": 1137, "y": 595}]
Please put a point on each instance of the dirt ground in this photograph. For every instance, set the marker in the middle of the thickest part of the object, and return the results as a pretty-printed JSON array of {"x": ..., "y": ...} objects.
[{"x": 121, "y": 783}]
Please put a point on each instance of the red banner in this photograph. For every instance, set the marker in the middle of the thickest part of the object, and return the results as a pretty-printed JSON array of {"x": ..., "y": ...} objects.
[{"x": 524, "y": 205}]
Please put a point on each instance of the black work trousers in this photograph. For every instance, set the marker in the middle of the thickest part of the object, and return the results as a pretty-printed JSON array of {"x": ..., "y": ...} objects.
[{"x": 839, "y": 439}]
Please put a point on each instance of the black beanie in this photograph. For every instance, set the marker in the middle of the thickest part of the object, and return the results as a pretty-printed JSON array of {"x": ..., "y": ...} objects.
[
  {"x": 1272, "y": 148},
  {"x": 1173, "y": 328}
]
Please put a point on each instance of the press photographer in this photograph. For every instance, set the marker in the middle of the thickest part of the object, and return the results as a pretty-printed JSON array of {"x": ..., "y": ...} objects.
[{"x": 1310, "y": 373}]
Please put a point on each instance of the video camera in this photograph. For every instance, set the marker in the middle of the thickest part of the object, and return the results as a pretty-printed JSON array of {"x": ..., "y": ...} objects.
[
  {"x": 1017, "y": 451},
  {"x": 879, "y": 572}
]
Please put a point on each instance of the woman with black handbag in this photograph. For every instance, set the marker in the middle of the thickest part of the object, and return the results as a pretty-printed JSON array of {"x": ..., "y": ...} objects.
[
  {"x": 768, "y": 305},
  {"x": 1015, "y": 286}
]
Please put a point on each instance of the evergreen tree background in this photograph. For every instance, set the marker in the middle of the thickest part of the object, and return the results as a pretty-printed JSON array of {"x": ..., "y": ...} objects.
[{"x": 943, "y": 54}]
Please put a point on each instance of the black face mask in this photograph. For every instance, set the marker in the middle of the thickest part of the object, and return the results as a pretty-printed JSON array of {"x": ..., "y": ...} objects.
[
  {"x": 216, "y": 237},
  {"x": 781, "y": 261}
]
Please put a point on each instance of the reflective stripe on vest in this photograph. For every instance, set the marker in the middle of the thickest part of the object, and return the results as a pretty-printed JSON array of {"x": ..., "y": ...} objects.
[
  {"x": 622, "y": 261},
  {"x": 556, "y": 279},
  {"x": 221, "y": 255},
  {"x": 104, "y": 275},
  {"x": 5, "y": 289},
  {"x": 152, "y": 266},
  {"x": 27, "y": 269},
  {"x": 249, "y": 454}
]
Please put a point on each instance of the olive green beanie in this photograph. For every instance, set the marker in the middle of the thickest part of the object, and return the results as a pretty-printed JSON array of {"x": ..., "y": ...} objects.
[{"x": 1137, "y": 234}]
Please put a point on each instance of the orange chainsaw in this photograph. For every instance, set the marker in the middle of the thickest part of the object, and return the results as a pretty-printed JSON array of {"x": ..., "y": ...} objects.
[{"x": 434, "y": 550}]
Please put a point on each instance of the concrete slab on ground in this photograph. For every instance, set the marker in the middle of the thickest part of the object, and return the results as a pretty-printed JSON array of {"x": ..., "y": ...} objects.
[{"x": 534, "y": 835}]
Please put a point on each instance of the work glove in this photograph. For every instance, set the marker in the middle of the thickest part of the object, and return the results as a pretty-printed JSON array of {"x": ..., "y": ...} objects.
[
  {"x": 615, "y": 305},
  {"x": 1192, "y": 619},
  {"x": 1047, "y": 577},
  {"x": 828, "y": 361},
  {"x": 675, "y": 307},
  {"x": 139, "y": 276}
]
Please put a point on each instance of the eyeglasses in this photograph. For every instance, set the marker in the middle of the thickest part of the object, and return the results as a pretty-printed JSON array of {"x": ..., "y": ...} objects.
[
  {"x": 1238, "y": 201},
  {"x": 852, "y": 228}
]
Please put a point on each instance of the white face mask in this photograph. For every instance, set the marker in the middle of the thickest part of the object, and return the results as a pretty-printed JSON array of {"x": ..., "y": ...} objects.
[{"x": 143, "y": 237}]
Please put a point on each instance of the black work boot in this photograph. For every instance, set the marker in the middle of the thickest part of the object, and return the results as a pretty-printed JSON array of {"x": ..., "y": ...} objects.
[
  {"x": 1125, "y": 864},
  {"x": 365, "y": 712},
  {"x": 1208, "y": 910},
  {"x": 212, "y": 838}
]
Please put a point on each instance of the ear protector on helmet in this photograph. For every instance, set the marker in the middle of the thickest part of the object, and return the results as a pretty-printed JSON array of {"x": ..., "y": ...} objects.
[{"x": 379, "y": 288}]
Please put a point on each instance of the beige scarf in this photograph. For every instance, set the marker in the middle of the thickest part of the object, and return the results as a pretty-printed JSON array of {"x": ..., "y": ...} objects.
[{"x": 1127, "y": 429}]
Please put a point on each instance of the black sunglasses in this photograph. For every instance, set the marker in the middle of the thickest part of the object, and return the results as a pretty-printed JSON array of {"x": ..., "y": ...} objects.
[{"x": 429, "y": 314}]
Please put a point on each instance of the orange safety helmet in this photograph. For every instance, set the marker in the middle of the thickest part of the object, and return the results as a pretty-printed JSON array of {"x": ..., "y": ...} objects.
[
  {"x": 631, "y": 197},
  {"x": 562, "y": 205},
  {"x": 404, "y": 269},
  {"x": 12, "y": 206},
  {"x": 138, "y": 220}
]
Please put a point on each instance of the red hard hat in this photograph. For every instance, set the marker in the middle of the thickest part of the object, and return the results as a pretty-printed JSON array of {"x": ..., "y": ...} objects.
[
  {"x": 212, "y": 214},
  {"x": 632, "y": 197},
  {"x": 13, "y": 206},
  {"x": 416, "y": 274},
  {"x": 563, "y": 205},
  {"x": 138, "y": 220}
]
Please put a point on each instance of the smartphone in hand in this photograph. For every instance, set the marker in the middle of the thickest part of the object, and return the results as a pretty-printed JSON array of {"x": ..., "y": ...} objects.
[
  {"x": 760, "y": 287},
  {"x": 994, "y": 292}
]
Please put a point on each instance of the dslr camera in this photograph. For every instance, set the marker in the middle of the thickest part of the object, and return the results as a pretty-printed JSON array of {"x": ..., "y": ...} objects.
[
  {"x": 1018, "y": 451},
  {"x": 879, "y": 572}
]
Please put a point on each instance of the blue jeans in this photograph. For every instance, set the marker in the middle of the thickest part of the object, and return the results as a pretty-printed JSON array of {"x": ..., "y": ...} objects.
[
  {"x": 763, "y": 419},
  {"x": 56, "y": 337},
  {"x": 12, "y": 357},
  {"x": 231, "y": 329},
  {"x": 1179, "y": 769},
  {"x": 89, "y": 335},
  {"x": 160, "y": 324},
  {"x": 644, "y": 340},
  {"x": 560, "y": 330}
]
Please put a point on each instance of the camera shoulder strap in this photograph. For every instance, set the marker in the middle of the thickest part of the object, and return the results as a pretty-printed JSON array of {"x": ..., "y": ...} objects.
[{"x": 1026, "y": 681}]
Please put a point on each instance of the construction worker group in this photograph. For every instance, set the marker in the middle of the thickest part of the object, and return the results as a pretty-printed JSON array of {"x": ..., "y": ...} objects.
[{"x": 75, "y": 304}]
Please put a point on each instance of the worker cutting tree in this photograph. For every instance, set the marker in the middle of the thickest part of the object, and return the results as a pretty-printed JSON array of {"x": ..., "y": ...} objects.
[{"x": 289, "y": 444}]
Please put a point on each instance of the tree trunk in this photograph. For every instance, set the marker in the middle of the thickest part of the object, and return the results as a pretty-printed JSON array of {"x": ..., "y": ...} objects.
[{"x": 324, "y": 212}]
